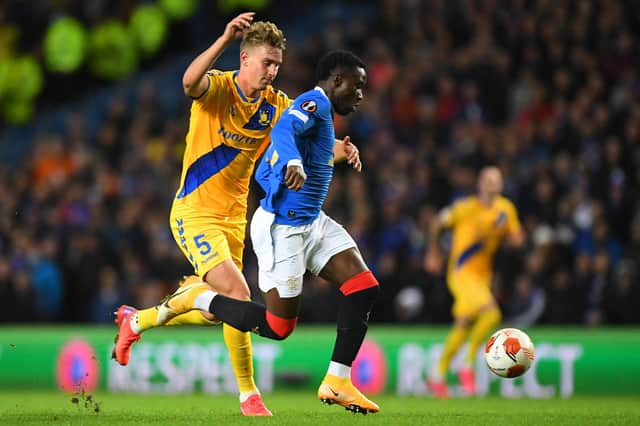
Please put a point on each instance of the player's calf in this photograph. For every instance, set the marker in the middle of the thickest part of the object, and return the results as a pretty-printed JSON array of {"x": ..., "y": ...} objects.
[
  {"x": 248, "y": 316},
  {"x": 359, "y": 294}
]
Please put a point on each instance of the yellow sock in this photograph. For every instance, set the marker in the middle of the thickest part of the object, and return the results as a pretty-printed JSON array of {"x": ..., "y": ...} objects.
[
  {"x": 190, "y": 318},
  {"x": 147, "y": 318},
  {"x": 485, "y": 323},
  {"x": 240, "y": 353},
  {"x": 455, "y": 340}
]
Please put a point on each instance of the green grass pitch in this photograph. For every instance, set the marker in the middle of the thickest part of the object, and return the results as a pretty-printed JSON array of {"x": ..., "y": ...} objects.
[{"x": 301, "y": 408}]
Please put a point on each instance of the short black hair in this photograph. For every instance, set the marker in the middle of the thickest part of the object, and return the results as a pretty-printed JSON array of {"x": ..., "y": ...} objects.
[{"x": 337, "y": 59}]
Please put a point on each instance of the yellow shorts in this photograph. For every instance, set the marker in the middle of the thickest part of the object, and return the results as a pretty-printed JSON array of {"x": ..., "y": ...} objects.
[
  {"x": 207, "y": 240},
  {"x": 469, "y": 295}
]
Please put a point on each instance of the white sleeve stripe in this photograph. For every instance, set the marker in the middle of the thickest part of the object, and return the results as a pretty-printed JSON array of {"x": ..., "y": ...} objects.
[{"x": 300, "y": 115}]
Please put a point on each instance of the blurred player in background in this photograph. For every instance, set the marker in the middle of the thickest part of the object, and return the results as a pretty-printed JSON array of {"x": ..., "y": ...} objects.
[
  {"x": 479, "y": 225},
  {"x": 291, "y": 234},
  {"x": 231, "y": 116}
]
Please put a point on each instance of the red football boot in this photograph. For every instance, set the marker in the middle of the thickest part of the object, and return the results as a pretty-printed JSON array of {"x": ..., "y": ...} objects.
[{"x": 126, "y": 337}]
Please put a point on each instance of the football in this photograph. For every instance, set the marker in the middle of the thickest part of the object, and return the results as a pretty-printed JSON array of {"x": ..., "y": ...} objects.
[{"x": 509, "y": 352}]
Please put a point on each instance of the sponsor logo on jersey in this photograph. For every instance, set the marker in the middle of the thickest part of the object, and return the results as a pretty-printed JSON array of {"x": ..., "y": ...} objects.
[{"x": 234, "y": 137}]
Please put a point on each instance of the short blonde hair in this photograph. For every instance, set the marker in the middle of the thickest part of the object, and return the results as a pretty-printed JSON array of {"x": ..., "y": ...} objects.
[{"x": 262, "y": 32}]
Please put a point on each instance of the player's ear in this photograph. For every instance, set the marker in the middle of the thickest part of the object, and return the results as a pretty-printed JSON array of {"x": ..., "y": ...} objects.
[
  {"x": 244, "y": 56},
  {"x": 337, "y": 79}
]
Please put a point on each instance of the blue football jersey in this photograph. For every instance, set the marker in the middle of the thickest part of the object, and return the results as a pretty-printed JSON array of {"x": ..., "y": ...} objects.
[{"x": 304, "y": 134}]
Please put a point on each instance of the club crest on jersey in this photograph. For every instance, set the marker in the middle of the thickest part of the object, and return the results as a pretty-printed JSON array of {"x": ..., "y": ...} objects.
[
  {"x": 502, "y": 218},
  {"x": 309, "y": 106},
  {"x": 262, "y": 118}
]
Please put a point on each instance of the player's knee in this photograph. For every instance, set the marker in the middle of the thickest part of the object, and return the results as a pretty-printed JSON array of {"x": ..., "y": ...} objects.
[
  {"x": 361, "y": 282},
  {"x": 360, "y": 294},
  {"x": 463, "y": 321},
  {"x": 237, "y": 291},
  {"x": 374, "y": 293},
  {"x": 240, "y": 294},
  {"x": 495, "y": 315},
  {"x": 281, "y": 327},
  {"x": 490, "y": 310},
  {"x": 226, "y": 279},
  {"x": 363, "y": 289}
]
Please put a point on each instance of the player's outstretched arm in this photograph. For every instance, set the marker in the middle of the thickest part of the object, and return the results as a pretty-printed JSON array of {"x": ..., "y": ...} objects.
[
  {"x": 345, "y": 150},
  {"x": 194, "y": 82}
]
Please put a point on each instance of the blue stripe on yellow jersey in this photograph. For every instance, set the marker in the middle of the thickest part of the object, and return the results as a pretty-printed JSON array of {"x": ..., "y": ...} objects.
[
  {"x": 205, "y": 167},
  {"x": 468, "y": 253}
]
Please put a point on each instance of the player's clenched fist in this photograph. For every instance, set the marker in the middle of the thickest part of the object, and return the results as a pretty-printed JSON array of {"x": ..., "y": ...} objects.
[
  {"x": 352, "y": 153},
  {"x": 294, "y": 177},
  {"x": 237, "y": 25}
]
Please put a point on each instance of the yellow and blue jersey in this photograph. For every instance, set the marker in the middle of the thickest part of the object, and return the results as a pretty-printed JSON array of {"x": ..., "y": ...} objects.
[
  {"x": 478, "y": 231},
  {"x": 227, "y": 133}
]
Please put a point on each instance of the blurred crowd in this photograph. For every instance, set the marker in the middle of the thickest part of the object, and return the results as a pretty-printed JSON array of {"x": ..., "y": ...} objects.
[{"x": 549, "y": 91}]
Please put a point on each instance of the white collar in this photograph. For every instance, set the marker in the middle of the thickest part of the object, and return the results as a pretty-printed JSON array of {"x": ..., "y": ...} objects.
[{"x": 321, "y": 90}]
